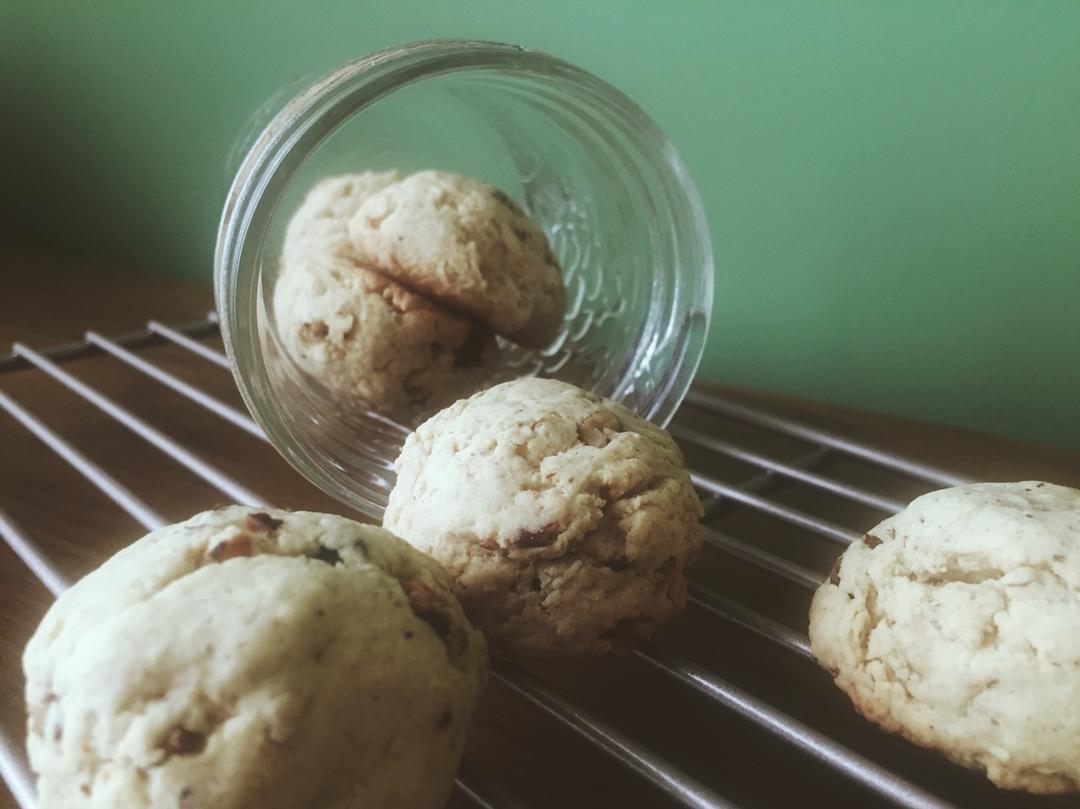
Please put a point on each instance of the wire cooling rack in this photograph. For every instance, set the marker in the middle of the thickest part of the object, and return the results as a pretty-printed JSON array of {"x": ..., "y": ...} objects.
[{"x": 726, "y": 709}]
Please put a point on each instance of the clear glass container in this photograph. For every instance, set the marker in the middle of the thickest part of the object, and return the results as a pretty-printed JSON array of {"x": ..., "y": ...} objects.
[{"x": 613, "y": 196}]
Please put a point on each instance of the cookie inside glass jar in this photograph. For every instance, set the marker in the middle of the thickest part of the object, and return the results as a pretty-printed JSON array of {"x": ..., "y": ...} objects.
[{"x": 392, "y": 288}]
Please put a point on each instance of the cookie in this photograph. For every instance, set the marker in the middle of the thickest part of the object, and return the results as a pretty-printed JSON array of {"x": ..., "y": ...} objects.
[
  {"x": 366, "y": 338},
  {"x": 249, "y": 659},
  {"x": 564, "y": 520},
  {"x": 956, "y": 624},
  {"x": 465, "y": 244}
]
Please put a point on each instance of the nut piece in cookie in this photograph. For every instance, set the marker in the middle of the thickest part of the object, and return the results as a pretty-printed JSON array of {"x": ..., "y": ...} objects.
[
  {"x": 956, "y": 624},
  {"x": 464, "y": 244},
  {"x": 370, "y": 340},
  {"x": 251, "y": 658},
  {"x": 564, "y": 520}
]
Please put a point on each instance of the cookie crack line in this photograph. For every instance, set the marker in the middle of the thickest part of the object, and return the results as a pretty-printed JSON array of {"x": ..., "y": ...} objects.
[
  {"x": 986, "y": 575},
  {"x": 603, "y": 492},
  {"x": 443, "y": 307},
  {"x": 431, "y": 300},
  {"x": 547, "y": 537}
]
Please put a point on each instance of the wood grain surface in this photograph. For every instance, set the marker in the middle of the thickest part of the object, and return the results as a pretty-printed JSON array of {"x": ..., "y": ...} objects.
[{"x": 513, "y": 745}]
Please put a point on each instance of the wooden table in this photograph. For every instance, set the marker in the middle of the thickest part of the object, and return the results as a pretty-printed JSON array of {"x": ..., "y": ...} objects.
[{"x": 46, "y": 301}]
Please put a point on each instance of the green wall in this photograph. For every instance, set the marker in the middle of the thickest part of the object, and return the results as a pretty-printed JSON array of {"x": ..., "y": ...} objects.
[{"x": 894, "y": 187}]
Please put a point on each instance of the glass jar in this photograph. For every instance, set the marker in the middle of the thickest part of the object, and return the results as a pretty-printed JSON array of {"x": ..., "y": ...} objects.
[{"x": 612, "y": 195}]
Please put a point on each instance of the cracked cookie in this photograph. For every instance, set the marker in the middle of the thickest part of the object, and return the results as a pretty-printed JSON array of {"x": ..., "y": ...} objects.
[
  {"x": 956, "y": 624},
  {"x": 253, "y": 659},
  {"x": 467, "y": 245},
  {"x": 362, "y": 334},
  {"x": 564, "y": 520}
]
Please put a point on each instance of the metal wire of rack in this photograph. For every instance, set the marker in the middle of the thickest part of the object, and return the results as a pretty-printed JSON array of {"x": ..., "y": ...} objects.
[{"x": 871, "y": 781}]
